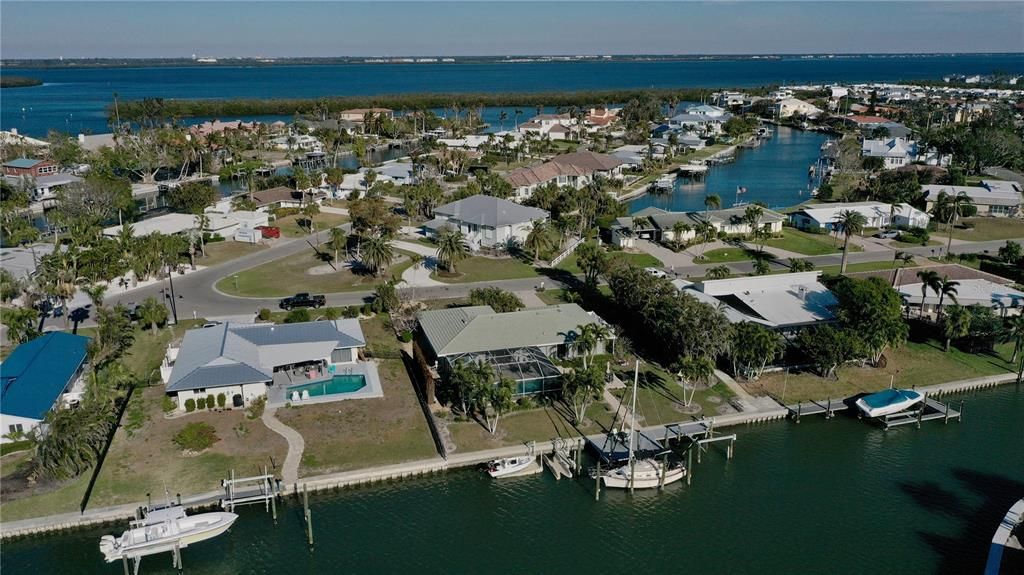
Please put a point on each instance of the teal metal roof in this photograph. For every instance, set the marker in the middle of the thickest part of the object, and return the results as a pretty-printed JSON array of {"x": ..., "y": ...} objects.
[
  {"x": 24, "y": 163},
  {"x": 38, "y": 371}
]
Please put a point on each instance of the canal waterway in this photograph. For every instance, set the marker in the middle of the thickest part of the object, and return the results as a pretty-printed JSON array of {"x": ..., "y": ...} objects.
[
  {"x": 775, "y": 173},
  {"x": 820, "y": 497},
  {"x": 75, "y": 99}
]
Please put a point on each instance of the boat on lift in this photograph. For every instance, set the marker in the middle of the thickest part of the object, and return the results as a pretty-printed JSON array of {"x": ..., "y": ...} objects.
[
  {"x": 163, "y": 530},
  {"x": 888, "y": 402},
  {"x": 509, "y": 466}
]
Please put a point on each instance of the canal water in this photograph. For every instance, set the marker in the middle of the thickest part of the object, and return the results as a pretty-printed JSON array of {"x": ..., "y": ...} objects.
[
  {"x": 819, "y": 497},
  {"x": 775, "y": 173}
]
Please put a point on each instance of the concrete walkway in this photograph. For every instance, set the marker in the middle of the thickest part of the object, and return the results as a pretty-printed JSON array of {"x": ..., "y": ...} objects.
[
  {"x": 419, "y": 275},
  {"x": 334, "y": 210},
  {"x": 296, "y": 445},
  {"x": 530, "y": 299}
]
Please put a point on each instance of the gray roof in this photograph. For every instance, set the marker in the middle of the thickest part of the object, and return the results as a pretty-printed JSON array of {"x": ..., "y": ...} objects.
[
  {"x": 452, "y": 332},
  {"x": 233, "y": 354},
  {"x": 490, "y": 211}
]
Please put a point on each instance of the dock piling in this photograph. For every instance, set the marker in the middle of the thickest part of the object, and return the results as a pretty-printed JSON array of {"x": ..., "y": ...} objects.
[
  {"x": 308, "y": 515},
  {"x": 597, "y": 483}
]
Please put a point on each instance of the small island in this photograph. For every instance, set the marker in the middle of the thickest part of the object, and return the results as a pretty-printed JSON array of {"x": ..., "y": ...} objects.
[{"x": 19, "y": 82}]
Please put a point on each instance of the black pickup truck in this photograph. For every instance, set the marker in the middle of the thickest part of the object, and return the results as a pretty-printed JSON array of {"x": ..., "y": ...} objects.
[{"x": 302, "y": 300}]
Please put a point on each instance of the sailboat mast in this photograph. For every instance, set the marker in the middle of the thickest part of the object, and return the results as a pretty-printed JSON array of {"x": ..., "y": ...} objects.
[{"x": 632, "y": 410}]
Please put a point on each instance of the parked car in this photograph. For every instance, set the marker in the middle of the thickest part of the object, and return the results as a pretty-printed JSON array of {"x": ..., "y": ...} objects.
[
  {"x": 887, "y": 235},
  {"x": 656, "y": 272},
  {"x": 302, "y": 300},
  {"x": 269, "y": 231}
]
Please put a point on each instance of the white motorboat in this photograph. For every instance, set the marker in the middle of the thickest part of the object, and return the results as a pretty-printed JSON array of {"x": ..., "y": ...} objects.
[
  {"x": 509, "y": 466},
  {"x": 647, "y": 473},
  {"x": 664, "y": 183},
  {"x": 888, "y": 402},
  {"x": 164, "y": 530}
]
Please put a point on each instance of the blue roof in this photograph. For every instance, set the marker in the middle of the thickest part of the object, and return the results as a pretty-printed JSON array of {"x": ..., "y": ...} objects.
[
  {"x": 23, "y": 163},
  {"x": 37, "y": 371},
  {"x": 888, "y": 397}
]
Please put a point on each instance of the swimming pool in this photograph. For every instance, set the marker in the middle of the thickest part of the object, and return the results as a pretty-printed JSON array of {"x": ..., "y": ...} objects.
[{"x": 338, "y": 384}]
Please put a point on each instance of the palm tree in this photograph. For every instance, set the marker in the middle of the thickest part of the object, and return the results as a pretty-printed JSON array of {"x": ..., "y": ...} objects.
[
  {"x": 338, "y": 241},
  {"x": 152, "y": 312},
  {"x": 377, "y": 254},
  {"x": 851, "y": 222},
  {"x": 585, "y": 341},
  {"x": 712, "y": 202},
  {"x": 451, "y": 248},
  {"x": 502, "y": 116},
  {"x": 1014, "y": 330},
  {"x": 719, "y": 272},
  {"x": 957, "y": 324},
  {"x": 905, "y": 257},
  {"x": 368, "y": 179},
  {"x": 797, "y": 265},
  {"x": 678, "y": 229},
  {"x": 21, "y": 324},
  {"x": 706, "y": 232},
  {"x": 95, "y": 293},
  {"x": 956, "y": 204},
  {"x": 947, "y": 288},
  {"x": 538, "y": 239},
  {"x": 930, "y": 280}
]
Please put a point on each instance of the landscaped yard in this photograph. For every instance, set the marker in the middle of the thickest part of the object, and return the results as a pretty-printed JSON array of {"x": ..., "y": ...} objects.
[
  {"x": 482, "y": 269},
  {"x": 805, "y": 243},
  {"x": 220, "y": 252},
  {"x": 290, "y": 227},
  {"x": 289, "y": 275},
  {"x": 914, "y": 364},
  {"x": 363, "y": 432},
  {"x": 644, "y": 260},
  {"x": 516, "y": 428},
  {"x": 986, "y": 229}
]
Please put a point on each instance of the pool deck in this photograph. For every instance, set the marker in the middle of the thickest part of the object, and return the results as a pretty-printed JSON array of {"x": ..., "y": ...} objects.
[{"x": 278, "y": 396}]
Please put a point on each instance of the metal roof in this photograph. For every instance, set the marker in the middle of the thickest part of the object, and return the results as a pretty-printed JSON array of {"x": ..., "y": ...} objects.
[
  {"x": 233, "y": 354},
  {"x": 38, "y": 371},
  {"x": 969, "y": 292},
  {"x": 490, "y": 211},
  {"x": 23, "y": 163},
  {"x": 484, "y": 330}
]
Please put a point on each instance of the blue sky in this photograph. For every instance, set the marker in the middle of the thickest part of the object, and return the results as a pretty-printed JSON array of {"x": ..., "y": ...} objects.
[{"x": 44, "y": 29}]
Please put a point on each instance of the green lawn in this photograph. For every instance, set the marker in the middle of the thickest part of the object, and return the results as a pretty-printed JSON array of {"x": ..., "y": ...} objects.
[
  {"x": 914, "y": 364},
  {"x": 723, "y": 255},
  {"x": 291, "y": 229},
  {"x": 805, "y": 243},
  {"x": 286, "y": 276},
  {"x": 220, "y": 252},
  {"x": 644, "y": 260},
  {"x": 986, "y": 229},
  {"x": 481, "y": 269}
]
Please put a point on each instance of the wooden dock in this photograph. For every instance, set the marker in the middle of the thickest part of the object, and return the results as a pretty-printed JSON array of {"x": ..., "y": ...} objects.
[{"x": 828, "y": 408}]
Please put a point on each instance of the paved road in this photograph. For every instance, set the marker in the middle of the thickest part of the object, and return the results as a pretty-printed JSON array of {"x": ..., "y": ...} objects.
[{"x": 196, "y": 292}]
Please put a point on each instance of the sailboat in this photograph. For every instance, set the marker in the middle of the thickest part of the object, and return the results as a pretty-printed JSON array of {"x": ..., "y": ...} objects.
[{"x": 646, "y": 473}]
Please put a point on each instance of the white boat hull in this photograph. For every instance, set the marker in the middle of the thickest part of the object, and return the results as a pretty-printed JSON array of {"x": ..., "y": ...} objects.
[
  {"x": 161, "y": 537},
  {"x": 894, "y": 407},
  {"x": 645, "y": 475},
  {"x": 510, "y": 466}
]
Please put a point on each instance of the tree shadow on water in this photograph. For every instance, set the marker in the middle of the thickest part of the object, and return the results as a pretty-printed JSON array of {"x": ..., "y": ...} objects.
[{"x": 967, "y": 551}]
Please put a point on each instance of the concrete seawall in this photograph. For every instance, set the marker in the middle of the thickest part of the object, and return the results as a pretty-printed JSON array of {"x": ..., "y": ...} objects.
[{"x": 423, "y": 467}]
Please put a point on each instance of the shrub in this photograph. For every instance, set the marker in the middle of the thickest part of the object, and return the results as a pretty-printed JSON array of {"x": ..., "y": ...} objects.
[
  {"x": 190, "y": 405},
  {"x": 201, "y": 403},
  {"x": 297, "y": 316},
  {"x": 351, "y": 312},
  {"x": 210, "y": 401},
  {"x": 367, "y": 309},
  {"x": 255, "y": 409},
  {"x": 222, "y": 400},
  {"x": 264, "y": 314},
  {"x": 332, "y": 313},
  {"x": 196, "y": 436},
  {"x": 406, "y": 336},
  {"x": 167, "y": 404}
]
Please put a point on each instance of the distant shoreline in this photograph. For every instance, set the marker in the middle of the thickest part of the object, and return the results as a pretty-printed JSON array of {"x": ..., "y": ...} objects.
[
  {"x": 71, "y": 63},
  {"x": 19, "y": 82}
]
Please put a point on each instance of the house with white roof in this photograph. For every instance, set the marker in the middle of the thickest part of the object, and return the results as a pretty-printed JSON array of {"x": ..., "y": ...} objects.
[
  {"x": 992, "y": 198},
  {"x": 1003, "y": 299},
  {"x": 898, "y": 152},
  {"x": 486, "y": 221},
  {"x": 297, "y": 362},
  {"x": 657, "y": 224},
  {"x": 783, "y": 302},
  {"x": 703, "y": 119},
  {"x": 554, "y": 126},
  {"x": 787, "y": 107},
  {"x": 876, "y": 214}
]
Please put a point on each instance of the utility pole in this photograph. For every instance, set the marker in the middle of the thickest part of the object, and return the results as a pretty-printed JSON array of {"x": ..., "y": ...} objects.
[{"x": 174, "y": 304}]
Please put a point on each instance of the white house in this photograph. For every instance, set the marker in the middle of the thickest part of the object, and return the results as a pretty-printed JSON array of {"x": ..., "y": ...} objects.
[
  {"x": 576, "y": 169},
  {"x": 486, "y": 221},
  {"x": 898, "y": 152},
  {"x": 992, "y": 197},
  {"x": 247, "y": 361},
  {"x": 660, "y": 225},
  {"x": 786, "y": 107},
  {"x": 554, "y": 126},
  {"x": 40, "y": 375},
  {"x": 297, "y": 142},
  {"x": 781, "y": 301},
  {"x": 876, "y": 214}
]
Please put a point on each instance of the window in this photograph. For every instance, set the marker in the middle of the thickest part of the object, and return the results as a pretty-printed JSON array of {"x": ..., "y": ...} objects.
[
  {"x": 16, "y": 428},
  {"x": 199, "y": 391}
]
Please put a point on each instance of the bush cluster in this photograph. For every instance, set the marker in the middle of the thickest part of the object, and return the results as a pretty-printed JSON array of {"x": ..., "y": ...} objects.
[{"x": 196, "y": 436}]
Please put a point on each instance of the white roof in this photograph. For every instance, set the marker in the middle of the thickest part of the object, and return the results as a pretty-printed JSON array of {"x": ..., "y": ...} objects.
[
  {"x": 778, "y": 300},
  {"x": 969, "y": 292},
  {"x": 12, "y": 137},
  {"x": 165, "y": 224},
  {"x": 993, "y": 193},
  {"x": 889, "y": 148},
  {"x": 828, "y": 213}
]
